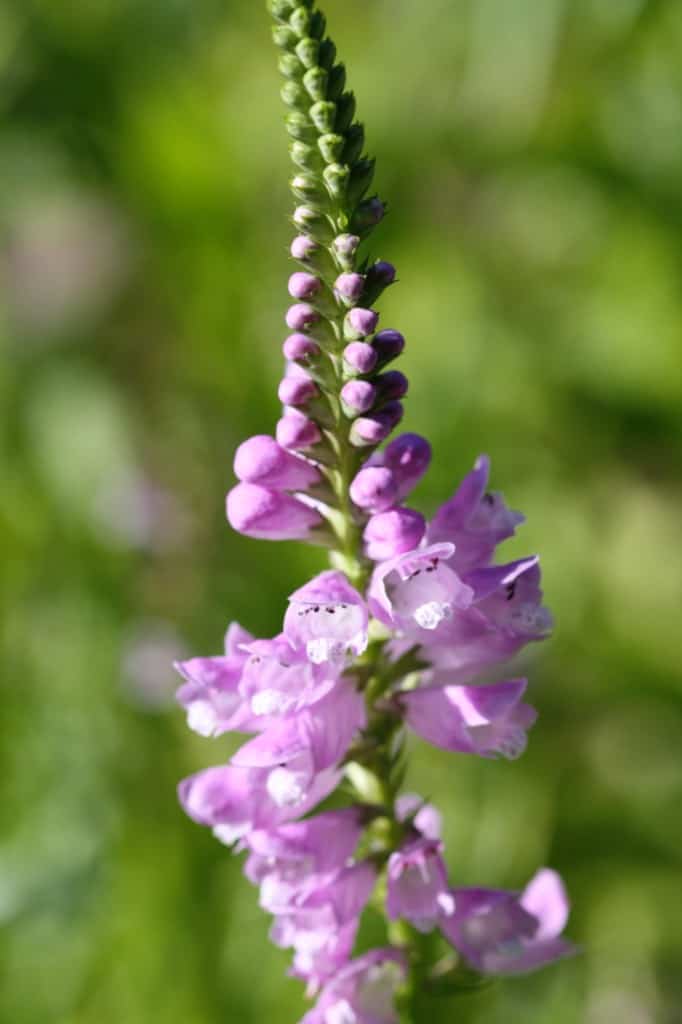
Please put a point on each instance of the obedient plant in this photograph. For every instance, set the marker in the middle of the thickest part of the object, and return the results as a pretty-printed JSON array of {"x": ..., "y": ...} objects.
[{"x": 392, "y": 638}]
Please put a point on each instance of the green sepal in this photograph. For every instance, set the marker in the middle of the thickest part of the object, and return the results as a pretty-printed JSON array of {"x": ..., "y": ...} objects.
[
  {"x": 290, "y": 66},
  {"x": 355, "y": 143},
  {"x": 345, "y": 112},
  {"x": 294, "y": 96},
  {"x": 322, "y": 264},
  {"x": 327, "y": 54},
  {"x": 300, "y": 22},
  {"x": 331, "y": 147},
  {"x": 360, "y": 179},
  {"x": 305, "y": 156},
  {"x": 337, "y": 81},
  {"x": 315, "y": 82},
  {"x": 299, "y": 127},
  {"x": 307, "y": 51},
  {"x": 336, "y": 177},
  {"x": 284, "y": 37}
]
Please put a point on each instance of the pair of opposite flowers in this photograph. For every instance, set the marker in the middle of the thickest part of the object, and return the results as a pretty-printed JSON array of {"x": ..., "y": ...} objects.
[{"x": 437, "y": 614}]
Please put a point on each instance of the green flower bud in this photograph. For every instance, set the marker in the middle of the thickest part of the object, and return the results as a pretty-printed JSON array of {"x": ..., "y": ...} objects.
[
  {"x": 336, "y": 177},
  {"x": 314, "y": 223},
  {"x": 300, "y": 22},
  {"x": 327, "y": 54},
  {"x": 318, "y": 23},
  {"x": 294, "y": 95},
  {"x": 281, "y": 8},
  {"x": 307, "y": 52},
  {"x": 315, "y": 81},
  {"x": 305, "y": 156},
  {"x": 284, "y": 37},
  {"x": 345, "y": 112},
  {"x": 355, "y": 143},
  {"x": 299, "y": 127},
  {"x": 337, "y": 81},
  {"x": 290, "y": 66},
  {"x": 323, "y": 115},
  {"x": 331, "y": 148},
  {"x": 360, "y": 179},
  {"x": 306, "y": 188}
]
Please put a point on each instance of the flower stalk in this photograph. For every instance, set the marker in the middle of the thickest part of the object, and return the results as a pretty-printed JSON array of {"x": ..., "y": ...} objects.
[{"x": 393, "y": 637}]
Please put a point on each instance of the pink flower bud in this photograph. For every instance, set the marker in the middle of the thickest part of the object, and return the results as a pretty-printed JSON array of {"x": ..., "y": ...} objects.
[
  {"x": 374, "y": 489},
  {"x": 358, "y": 396},
  {"x": 261, "y": 460},
  {"x": 408, "y": 457},
  {"x": 346, "y": 245},
  {"x": 391, "y": 385},
  {"x": 296, "y": 390},
  {"x": 361, "y": 322},
  {"x": 360, "y": 357},
  {"x": 369, "y": 430},
  {"x": 392, "y": 533},
  {"x": 349, "y": 286},
  {"x": 269, "y": 515},
  {"x": 302, "y": 248},
  {"x": 296, "y": 431},
  {"x": 304, "y": 286},
  {"x": 300, "y": 346},
  {"x": 301, "y": 316},
  {"x": 382, "y": 273}
]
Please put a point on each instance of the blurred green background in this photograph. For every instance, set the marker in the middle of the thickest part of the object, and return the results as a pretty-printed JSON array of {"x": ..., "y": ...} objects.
[{"x": 532, "y": 156}]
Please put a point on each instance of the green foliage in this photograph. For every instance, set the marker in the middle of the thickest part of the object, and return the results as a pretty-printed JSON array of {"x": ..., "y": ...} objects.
[{"x": 532, "y": 155}]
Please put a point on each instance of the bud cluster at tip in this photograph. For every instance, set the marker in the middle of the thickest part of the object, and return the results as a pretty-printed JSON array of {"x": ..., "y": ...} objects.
[{"x": 341, "y": 398}]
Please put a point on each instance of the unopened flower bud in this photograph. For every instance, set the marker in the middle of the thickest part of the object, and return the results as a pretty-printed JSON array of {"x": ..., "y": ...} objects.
[
  {"x": 358, "y": 396},
  {"x": 327, "y": 54},
  {"x": 382, "y": 273},
  {"x": 299, "y": 348},
  {"x": 290, "y": 66},
  {"x": 269, "y": 515},
  {"x": 261, "y": 460},
  {"x": 374, "y": 488},
  {"x": 336, "y": 178},
  {"x": 302, "y": 248},
  {"x": 323, "y": 116},
  {"x": 346, "y": 245},
  {"x": 314, "y": 223},
  {"x": 303, "y": 286},
  {"x": 360, "y": 323},
  {"x": 315, "y": 82},
  {"x": 331, "y": 147},
  {"x": 281, "y": 8},
  {"x": 318, "y": 23},
  {"x": 306, "y": 188},
  {"x": 336, "y": 82},
  {"x": 307, "y": 52},
  {"x": 355, "y": 143},
  {"x": 370, "y": 430},
  {"x": 345, "y": 112},
  {"x": 393, "y": 533},
  {"x": 360, "y": 179},
  {"x": 367, "y": 215},
  {"x": 388, "y": 345},
  {"x": 359, "y": 357},
  {"x": 299, "y": 21},
  {"x": 294, "y": 95},
  {"x": 391, "y": 385},
  {"x": 304, "y": 155},
  {"x": 284, "y": 37},
  {"x": 296, "y": 431},
  {"x": 299, "y": 127},
  {"x": 408, "y": 457},
  {"x": 301, "y": 316},
  {"x": 296, "y": 391},
  {"x": 349, "y": 287}
]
